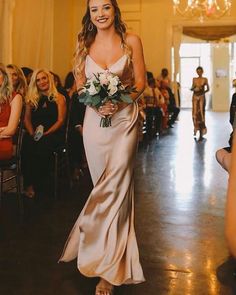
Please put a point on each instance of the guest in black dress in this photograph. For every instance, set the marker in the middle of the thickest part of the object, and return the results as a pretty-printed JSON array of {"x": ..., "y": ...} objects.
[{"x": 45, "y": 111}]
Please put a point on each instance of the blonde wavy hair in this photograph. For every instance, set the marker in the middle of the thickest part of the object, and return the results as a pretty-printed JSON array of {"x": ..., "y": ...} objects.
[
  {"x": 21, "y": 86},
  {"x": 87, "y": 36},
  {"x": 6, "y": 87},
  {"x": 34, "y": 94}
]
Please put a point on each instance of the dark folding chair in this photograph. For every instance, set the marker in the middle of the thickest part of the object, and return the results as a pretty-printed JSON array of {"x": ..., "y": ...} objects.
[
  {"x": 61, "y": 156},
  {"x": 10, "y": 170}
]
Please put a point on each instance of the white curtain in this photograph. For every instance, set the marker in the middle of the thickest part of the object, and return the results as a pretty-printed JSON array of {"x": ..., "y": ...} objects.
[
  {"x": 6, "y": 22},
  {"x": 33, "y": 33},
  {"x": 176, "y": 43}
]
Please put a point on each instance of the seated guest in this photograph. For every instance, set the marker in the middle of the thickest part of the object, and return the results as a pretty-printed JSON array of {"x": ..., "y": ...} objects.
[
  {"x": 223, "y": 155},
  {"x": 154, "y": 107},
  {"x": 164, "y": 79},
  {"x": 165, "y": 118},
  {"x": 10, "y": 111},
  {"x": 165, "y": 85},
  {"x": 18, "y": 79},
  {"x": 44, "y": 119}
]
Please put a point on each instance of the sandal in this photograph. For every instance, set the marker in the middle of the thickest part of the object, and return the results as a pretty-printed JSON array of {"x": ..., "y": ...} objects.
[{"x": 104, "y": 288}]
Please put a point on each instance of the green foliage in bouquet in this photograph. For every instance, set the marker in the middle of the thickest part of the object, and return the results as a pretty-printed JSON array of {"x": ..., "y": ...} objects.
[{"x": 102, "y": 88}]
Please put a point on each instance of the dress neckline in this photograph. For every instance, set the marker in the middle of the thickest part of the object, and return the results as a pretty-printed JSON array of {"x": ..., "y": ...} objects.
[{"x": 108, "y": 68}]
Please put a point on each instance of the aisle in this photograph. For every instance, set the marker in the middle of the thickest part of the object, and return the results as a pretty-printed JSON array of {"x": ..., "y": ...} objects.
[{"x": 180, "y": 209}]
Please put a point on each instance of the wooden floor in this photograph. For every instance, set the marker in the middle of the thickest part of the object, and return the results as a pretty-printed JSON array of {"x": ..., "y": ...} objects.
[{"x": 180, "y": 199}]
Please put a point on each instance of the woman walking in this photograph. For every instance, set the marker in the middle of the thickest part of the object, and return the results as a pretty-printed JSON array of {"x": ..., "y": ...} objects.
[{"x": 103, "y": 238}]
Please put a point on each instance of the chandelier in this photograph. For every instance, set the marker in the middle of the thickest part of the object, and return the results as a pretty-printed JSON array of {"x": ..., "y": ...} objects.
[{"x": 202, "y": 9}]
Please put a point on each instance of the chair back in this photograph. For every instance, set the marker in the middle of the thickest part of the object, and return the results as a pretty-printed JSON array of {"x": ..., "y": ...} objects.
[
  {"x": 19, "y": 135},
  {"x": 14, "y": 165}
]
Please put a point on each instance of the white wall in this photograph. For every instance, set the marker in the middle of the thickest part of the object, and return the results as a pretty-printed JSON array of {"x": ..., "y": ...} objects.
[{"x": 220, "y": 87}]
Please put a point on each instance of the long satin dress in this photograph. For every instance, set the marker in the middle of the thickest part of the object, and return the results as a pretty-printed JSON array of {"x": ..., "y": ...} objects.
[
  {"x": 198, "y": 109},
  {"x": 103, "y": 237}
]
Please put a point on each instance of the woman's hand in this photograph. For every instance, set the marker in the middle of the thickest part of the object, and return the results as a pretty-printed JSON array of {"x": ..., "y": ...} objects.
[
  {"x": 108, "y": 109},
  {"x": 1, "y": 129}
]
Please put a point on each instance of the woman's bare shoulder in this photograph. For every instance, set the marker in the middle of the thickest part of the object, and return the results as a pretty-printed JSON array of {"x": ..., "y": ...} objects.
[
  {"x": 16, "y": 98},
  {"x": 133, "y": 39},
  {"x": 61, "y": 98}
]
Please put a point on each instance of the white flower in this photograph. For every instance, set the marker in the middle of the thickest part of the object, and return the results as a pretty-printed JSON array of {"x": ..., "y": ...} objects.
[
  {"x": 112, "y": 89},
  {"x": 103, "y": 79},
  {"x": 92, "y": 79},
  {"x": 114, "y": 81},
  {"x": 92, "y": 89},
  {"x": 121, "y": 87},
  {"x": 109, "y": 75}
]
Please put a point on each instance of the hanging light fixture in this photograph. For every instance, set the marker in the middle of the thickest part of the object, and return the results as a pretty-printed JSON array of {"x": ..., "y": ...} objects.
[{"x": 202, "y": 9}]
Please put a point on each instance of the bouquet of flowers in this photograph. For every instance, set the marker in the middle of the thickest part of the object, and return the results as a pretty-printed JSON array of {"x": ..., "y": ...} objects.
[{"x": 104, "y": 87}]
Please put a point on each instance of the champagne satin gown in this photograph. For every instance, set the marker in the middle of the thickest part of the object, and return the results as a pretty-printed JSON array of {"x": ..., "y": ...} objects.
[
  {"x": 198, "y": 108},
  {"x": 103, "y": 237}
]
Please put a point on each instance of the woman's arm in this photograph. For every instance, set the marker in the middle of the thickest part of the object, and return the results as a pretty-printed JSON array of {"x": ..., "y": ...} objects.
[
  {"x": 61, "y": 107},
  {"x": 27, "y": 120},
  {"x": 230, "y": 213},
  {"x": 206, "y": 86},
  {"x": 138, "y": 64},
  {"x": 16, "y": 107},
  {"x": 193, "y": 85}
]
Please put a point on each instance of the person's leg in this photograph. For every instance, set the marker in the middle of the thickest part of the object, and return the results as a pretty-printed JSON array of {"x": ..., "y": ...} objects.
[
  {"x": 203, "y": 129},
  {"x": 224, "y": 159},
  {"x": 194, "y": 115}
]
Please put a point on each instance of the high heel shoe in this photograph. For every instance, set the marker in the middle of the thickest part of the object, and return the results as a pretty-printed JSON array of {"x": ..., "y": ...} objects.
[{"x": 104, "y": 288}]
